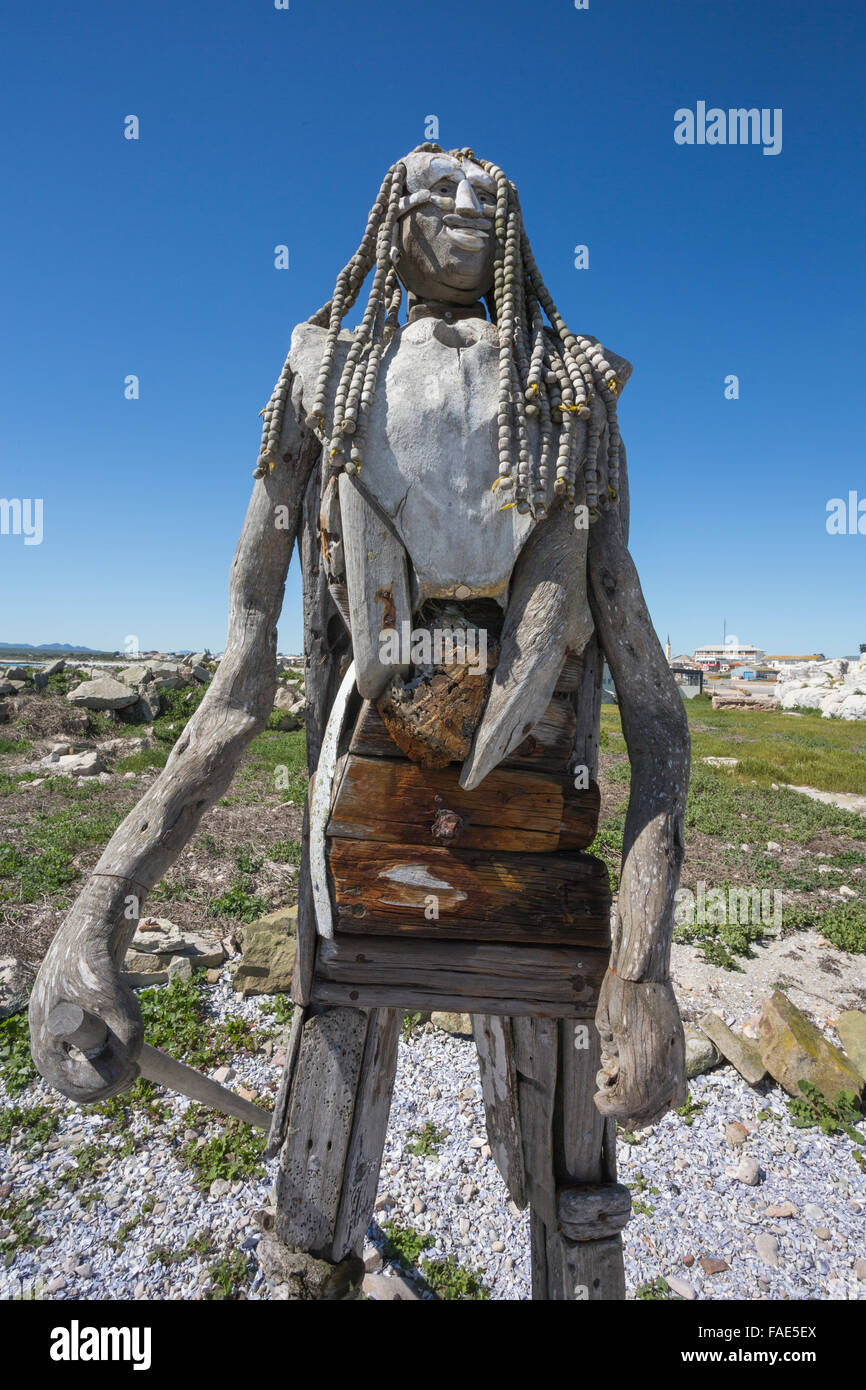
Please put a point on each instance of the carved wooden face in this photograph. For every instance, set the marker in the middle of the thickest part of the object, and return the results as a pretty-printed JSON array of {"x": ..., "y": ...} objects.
[{"x": 447, "y": 237}]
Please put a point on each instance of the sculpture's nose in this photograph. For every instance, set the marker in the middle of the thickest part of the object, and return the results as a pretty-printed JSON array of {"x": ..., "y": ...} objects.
[{"x": 466, "y": 202}]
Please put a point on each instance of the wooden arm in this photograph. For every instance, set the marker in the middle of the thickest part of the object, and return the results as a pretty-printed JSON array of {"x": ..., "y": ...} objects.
[
  {"x": 657, "y": 737},
  {"x": 83, "y": 964},
  {"x": 547, "y": 615}
]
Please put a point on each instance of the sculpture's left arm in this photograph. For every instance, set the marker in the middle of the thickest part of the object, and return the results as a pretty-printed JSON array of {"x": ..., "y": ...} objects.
[{"x": 643, "y": 1053}]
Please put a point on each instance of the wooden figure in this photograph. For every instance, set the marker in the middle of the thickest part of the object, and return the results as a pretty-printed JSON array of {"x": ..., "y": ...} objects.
[{"x": 458, "y": 489}]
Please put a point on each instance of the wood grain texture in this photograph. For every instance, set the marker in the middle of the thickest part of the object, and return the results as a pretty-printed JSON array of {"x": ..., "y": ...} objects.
[
  {"x": 394, "y": 883},
  {"x": 499, "y": 1089},
  {"x": 547, "y": 616},
  {"x": 369, "y": 1126},
  {"x": 377, "y": 577},
  {"x": 548, "y": 748},
  {"x": 396, "y": 801},
  {"x": 83, "y": 963},
  {"x": 321, "y": 1115}
]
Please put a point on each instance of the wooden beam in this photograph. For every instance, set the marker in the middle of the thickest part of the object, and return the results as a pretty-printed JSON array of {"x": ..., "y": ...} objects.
[
  {"x": 548, "y": 981},
  {"x": 394, "y": 884}
]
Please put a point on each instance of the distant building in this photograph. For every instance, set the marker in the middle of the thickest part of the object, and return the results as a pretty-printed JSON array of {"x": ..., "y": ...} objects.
[
  {"x": 730, "y": 653},
  {"x": 794, "y": 660}
]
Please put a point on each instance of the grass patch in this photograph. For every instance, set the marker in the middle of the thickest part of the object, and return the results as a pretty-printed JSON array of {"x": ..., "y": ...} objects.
[
  {"x": 845, "y": 926},
  {"x": 33, "y": 1125},
  {"x": 176, "y": 1018},
  {"x": 42, "y": 861},
  {"x": 234, "y": 1154},
  {"x": 450, "y": 1280},
  {"x": 16, "y": 1064},
  {"x": 277, "y": 762},
  {"x": 228, "y": 1276},
  {"x": 139, "y": 762},
  {"x": 285, "y": 852},
  {"x": 428, "y": 1139},
  {"x": 239, "y": 901},
  {"x": 18, "y": 1229}
]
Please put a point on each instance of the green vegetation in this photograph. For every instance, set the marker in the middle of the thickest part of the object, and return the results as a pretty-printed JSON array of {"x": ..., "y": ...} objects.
[
  {"x": 240, "y": 901},
  {"x": 658, "y": 1290},
  {"x": 176, "y": 1018},
  {"x": 18, "y": 1223},
  {"x": 285, "y": 852},
  {"x": 41, "y": 862},
  {"x": 235, "y": 1154},
  {"x": 138, "y": 762},
  {"x": 409, "y": 1024},
  {"x": 199, "y": 1244},
  {"x": 427, "y": 1139},
  {"x": 16, "y": 1064},
  {"x": 838, "y": 1116},
  {"x": 276, "y": 762},
  {"x": 404, "y": 1247},
  {"x": 33, "y": 1125},
  {"x": 689, "y": 1110},
  {"x": 228, "y": 1276},
  {"x": 449, "y": 1280},
  {"x": 845, "y": 926}
]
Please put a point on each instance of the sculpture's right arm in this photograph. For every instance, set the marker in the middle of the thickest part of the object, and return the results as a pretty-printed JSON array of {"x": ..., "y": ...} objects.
[{"x": 83, "y": 963}]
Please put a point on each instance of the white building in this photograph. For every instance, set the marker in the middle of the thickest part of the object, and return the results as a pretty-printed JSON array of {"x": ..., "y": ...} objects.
[{"x": 732, "y": 653}]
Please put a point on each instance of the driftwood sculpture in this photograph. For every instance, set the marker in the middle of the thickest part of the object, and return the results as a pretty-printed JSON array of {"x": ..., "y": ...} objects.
[{"x": 458, "y": 488}]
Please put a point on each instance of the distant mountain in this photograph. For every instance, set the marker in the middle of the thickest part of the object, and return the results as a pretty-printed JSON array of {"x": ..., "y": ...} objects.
[{"x": 44, "y": 647}]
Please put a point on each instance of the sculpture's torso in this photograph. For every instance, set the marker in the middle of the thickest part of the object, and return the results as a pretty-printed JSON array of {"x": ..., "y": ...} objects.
[{"x": 431, "y": 454}]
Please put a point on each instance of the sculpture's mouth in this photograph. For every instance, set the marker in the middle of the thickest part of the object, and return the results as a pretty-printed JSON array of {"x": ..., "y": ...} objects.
[{"x": 471, "y": 233}]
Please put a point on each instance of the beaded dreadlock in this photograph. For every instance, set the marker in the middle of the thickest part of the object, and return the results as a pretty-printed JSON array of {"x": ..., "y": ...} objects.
[{"x": 545, "y": 371}]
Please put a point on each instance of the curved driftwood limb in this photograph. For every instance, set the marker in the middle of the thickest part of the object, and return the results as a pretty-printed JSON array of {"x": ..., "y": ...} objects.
[
  {"x": 547, "y": 615},
  {"x": 643, "y": 1066},
  {"x": 83, "y": 963}
]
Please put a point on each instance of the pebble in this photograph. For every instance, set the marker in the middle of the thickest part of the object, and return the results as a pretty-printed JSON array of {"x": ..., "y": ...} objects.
[
  {"x": 813, "y": 1213},
  {"x": 749, "y": 1171},
  {"x": 736, "y": 1133},
  {"x": 681, "y": 1287},
  {"x": 767, "y": 1247}
]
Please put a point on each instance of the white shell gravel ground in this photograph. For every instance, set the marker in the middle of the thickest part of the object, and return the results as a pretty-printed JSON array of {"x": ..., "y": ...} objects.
[{"x": 691, "y": 1204}]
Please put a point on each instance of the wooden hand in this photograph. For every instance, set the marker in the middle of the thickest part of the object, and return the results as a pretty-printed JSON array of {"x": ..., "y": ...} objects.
[{"x": 642, "y": 1051}]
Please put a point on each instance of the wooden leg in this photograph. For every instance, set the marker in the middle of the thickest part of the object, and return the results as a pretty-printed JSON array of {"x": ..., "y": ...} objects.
[
  {"x": 337, "y": 1115},
  {"x": 554, "y": 1148}
]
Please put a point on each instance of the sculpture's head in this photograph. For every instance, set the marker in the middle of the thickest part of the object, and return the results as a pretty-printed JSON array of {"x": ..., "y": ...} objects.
[
  {"x": 448, "y": 227},
  {"x": 446, "y": 219}
]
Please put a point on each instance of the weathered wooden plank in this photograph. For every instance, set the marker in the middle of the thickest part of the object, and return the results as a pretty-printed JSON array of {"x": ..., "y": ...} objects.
[
  {"x": 410, "y": 997},
  {"x": 584, "y": 1270},
  {"x": 399, "y": 802},
  {"x": 499, "y": 1089},
  {"x": 378, "y": 582},
  {"x": 594, "y": 1210},
  {"x": 280, "y": 1117},
  {"x": 395, "y": 800},
  {"x": 400, "y": 882},
  {"x": 580, "y": 1126},
  {"x": 562, "y": 974},
  {"x": 321, "y": 1114},
  {"x": 372, "y": 1106},
  {"x": 546, "y": 749},
  {"x": 536, "y": 1063},
  {"x": 583, "y": 931}
]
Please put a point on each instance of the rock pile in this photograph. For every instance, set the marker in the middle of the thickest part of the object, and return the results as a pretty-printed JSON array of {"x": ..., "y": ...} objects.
[{"x": 836, "y": 688}]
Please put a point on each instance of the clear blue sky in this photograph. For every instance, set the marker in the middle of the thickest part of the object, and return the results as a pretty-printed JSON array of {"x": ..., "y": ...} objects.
[{"x": 261, "y": 127}]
